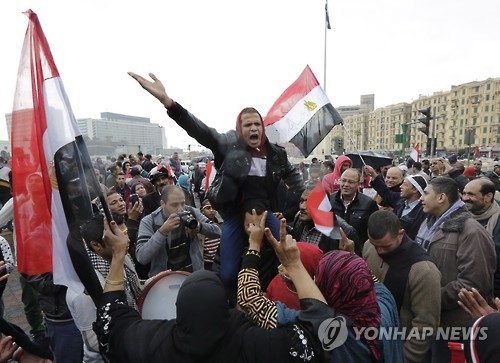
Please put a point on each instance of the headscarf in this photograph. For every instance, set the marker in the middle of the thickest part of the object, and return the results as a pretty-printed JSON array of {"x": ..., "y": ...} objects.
[
  {"x": 346, "y": 283},
  {"x": 310, "y": 254},
  {"x": 262, "y": 147},
  {"x": 201, "y": 303},
  {"x": 470, "y": 172},
  {"x": 337, "y": 171},
  {"x": 183, "y": 183},
  {"x": 133, "y": 186}
]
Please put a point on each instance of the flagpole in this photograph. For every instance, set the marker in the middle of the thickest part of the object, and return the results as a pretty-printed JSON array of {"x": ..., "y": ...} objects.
[
  {"x": 327, "y": 26},
  {"x": 354, "y": 143}
]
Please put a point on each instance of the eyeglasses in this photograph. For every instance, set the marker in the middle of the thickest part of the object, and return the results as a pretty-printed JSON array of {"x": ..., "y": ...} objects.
[{"x": 350, "y": 182}]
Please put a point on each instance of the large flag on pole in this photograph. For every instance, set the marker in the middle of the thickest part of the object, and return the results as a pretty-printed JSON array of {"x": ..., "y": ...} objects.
[
  {"x": 302, "y": 115},
  {"x": 53, "y": 177}
]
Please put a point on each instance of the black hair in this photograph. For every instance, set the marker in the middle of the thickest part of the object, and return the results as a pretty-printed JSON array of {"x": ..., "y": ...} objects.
[
  {"x": 446, "y": 185},
  {"x": 93, "y": 230},
  {"x": 382, "y": 222}
]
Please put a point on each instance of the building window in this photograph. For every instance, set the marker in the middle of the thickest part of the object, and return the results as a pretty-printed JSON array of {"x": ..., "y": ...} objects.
[
  {"x": 474, "y": 121},
  {"x": 484, "y": 141},
  {"x": 488, "y": 86},
  {"x": 486, "y": 108},
  {"x": 463, "y": 101},
  {"x": 485, "y": 130},
  {"x": 487, "y": 98}
]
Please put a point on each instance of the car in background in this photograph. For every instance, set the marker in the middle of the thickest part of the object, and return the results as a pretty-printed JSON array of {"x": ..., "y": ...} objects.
[
  {"x": 201, "y": 158},
  {"x": 185, "y": 166}
]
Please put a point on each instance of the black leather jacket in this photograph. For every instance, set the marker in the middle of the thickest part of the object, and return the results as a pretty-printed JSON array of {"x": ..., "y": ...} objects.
[
  {"x": 52, "y": 298},
  {"x": 357, "y": 214},
  {"x": 224, "y": 146}
]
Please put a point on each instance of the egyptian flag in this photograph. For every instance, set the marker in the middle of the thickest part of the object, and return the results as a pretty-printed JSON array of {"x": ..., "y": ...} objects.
[
  {"x": 319, "y": 208},
  {"x": 210, "y": 175},
  {"x": 53, "y": 178},
  {"x": 414, "y": 154},
  {"x": 302, "y": 115}
]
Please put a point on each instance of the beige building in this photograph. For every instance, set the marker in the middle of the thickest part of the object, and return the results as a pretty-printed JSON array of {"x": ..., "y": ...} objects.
[{"x": 470, "y": 106}]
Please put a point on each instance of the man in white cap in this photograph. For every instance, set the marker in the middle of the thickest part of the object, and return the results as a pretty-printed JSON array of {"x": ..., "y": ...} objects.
[
  {"x": 410, "y": 212},
  {"x": 405, "y": 203}
]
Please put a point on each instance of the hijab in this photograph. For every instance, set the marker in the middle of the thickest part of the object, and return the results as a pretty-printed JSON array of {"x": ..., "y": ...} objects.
[
  {"x": 337, "y": 171},
  {"x": 278, "y": 290},
  {"x": 183, "y": 183},
  {"x": 347, "y": 285}
]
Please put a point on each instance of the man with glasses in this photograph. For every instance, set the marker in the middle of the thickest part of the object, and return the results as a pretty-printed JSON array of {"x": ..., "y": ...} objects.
[{"x": 354, "y": 207}]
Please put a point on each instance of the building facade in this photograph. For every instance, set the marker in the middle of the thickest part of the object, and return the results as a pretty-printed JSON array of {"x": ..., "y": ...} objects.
[
  {"x": 125, "y": 131},
  {"x": 469, "y": 107}
]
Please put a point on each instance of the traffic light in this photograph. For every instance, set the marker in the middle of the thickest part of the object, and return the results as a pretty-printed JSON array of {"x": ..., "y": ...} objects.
[
  {"x": 340, "y": 144},
  {"x": 425, "y": 120}
]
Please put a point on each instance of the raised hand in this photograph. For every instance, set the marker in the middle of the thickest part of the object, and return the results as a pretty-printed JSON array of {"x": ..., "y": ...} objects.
[
  {"x": 156, "y": 88},
  {"x": 255, "y": 230},
  {"x": 286, "y": 248},
  {"x": 345, "y": 244},
  {"x": 115, "y": 238},
  {"x": 474, "y": 304},
  {"x": 135, "y": 210}
]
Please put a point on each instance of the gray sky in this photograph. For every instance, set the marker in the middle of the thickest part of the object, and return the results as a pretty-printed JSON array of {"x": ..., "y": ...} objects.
[{"x": 216, "y": 57}]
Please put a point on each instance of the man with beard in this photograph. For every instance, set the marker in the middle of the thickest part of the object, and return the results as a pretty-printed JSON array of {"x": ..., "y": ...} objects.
[
  {"x": 478, "y": 198},
  {"x": 160, "y": 177}
]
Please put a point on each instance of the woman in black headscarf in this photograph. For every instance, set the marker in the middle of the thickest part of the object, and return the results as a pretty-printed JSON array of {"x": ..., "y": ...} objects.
[{"x": 206, "y": 330}]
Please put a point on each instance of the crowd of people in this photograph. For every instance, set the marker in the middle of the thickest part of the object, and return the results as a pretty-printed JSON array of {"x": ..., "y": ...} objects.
[{"x": 418, "y": 250}]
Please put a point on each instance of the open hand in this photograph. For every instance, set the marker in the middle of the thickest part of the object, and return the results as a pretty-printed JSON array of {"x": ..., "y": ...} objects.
[
  {"x": 156, "y": 88},
  {"x": 474, "y": 304}
]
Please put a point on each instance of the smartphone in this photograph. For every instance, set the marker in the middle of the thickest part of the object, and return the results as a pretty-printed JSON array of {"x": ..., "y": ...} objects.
[{"x": 134, "y": 198}]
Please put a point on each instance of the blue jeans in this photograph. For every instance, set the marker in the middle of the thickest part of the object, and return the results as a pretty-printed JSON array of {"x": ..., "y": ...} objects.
[
  {"x": 233, "y": 240},
  {"x": 65, "y": 340}
]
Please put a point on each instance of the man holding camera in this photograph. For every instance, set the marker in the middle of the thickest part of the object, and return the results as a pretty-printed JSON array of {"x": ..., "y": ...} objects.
[{"x": 168, "y": 236}]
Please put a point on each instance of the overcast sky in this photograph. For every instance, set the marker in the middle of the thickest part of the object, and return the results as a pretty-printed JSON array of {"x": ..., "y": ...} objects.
[{"x": 216, "y": 57}]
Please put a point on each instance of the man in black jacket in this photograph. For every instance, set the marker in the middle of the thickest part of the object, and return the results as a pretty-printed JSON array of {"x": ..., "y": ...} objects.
[
  {"x": 354, "y": 207},
  {"x": 65, "y": 339},
  {"x": 250, "y": 164}
]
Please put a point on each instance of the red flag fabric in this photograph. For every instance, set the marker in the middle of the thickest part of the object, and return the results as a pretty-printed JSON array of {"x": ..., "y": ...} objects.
[
  {"x": 319, "y": 207},
  {"x": 302, "y": 115},
  {"x": 210, "y": 175},
  {"x": 52, "y": 174},
  {"x": 415, "y": 154}
]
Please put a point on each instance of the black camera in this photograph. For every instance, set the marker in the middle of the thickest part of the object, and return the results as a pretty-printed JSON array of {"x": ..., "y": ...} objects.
[{"x": 188, "y": 220}]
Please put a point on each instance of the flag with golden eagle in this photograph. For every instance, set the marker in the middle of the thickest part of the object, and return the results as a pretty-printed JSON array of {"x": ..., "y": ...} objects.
[{"x": 302, "y": 115}]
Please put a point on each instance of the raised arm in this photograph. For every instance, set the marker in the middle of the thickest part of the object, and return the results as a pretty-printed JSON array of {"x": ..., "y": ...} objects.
[{"x": 155, "y": 88}]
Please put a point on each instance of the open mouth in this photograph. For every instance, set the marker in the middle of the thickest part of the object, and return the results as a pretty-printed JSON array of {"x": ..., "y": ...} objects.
[{"x": 254, "y": 137}]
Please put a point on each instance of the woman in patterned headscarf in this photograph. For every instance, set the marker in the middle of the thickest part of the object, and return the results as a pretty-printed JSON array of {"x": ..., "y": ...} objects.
[{"x": 347, "y": 285}]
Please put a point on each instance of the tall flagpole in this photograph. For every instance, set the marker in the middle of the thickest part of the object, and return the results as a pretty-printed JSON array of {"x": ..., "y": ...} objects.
[{"x": 327, "y": 26}]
